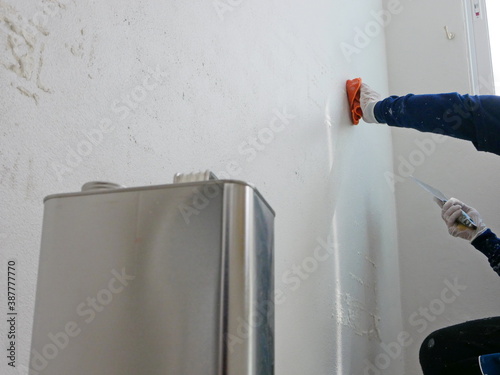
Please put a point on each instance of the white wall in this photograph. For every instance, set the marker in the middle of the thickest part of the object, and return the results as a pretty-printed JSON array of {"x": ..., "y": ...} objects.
[
  {"x": 421, "y": 60},
  {"x": 221, "y": 78}
]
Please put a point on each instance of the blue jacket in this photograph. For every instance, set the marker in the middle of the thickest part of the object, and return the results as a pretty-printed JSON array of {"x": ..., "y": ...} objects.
[{"x": 489, "y": 244}]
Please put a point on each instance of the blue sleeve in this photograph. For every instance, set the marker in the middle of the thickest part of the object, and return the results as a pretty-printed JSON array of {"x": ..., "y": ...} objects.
[
  {"x": 473, "y": 118},
  {"x": 489, "y": 244}
]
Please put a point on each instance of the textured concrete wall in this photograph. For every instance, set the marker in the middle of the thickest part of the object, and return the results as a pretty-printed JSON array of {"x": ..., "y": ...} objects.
[{"x": 133, "y": 92}]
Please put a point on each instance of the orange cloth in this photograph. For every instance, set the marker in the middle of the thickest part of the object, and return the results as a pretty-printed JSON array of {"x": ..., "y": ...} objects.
[{"x": 353, "y": 87}]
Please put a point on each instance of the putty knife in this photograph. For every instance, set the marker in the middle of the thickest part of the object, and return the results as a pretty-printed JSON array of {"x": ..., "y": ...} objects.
[{"x": 464, "y": 219}]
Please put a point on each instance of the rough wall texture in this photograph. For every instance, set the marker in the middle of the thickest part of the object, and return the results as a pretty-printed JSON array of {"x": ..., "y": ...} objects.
[{"x": 134, "y": 92}]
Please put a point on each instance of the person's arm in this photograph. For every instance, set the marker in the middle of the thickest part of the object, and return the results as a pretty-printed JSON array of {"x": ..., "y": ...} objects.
[
  {"x": 482, "y": 238},
  {"x": 489, "y": 244}
]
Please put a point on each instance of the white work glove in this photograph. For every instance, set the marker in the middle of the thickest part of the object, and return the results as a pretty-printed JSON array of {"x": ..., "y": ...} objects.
[{"x": 451, "y": 211}]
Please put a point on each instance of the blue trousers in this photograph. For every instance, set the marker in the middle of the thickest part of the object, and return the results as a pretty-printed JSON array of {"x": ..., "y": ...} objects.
[
  {"x": 456, "y": 350},
  {"x": 472, "y": 118}
]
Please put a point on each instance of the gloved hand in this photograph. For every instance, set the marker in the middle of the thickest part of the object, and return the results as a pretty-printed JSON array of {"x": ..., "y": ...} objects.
[{"x": 451, "y": 210}]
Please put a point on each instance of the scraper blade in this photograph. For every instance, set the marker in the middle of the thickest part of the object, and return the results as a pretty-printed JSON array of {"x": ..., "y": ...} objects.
[
  {"x": 431, "y": 190},
  {"x": 464, "y": 219}
]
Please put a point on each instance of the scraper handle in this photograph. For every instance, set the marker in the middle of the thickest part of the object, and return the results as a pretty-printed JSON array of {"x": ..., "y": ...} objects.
[
  {"x": 466, "y": 220},
  {"x": 463, "y": 219}
]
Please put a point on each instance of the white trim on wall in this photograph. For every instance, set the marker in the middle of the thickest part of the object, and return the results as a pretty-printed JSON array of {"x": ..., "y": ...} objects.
[{"x": 478, "y": 43}]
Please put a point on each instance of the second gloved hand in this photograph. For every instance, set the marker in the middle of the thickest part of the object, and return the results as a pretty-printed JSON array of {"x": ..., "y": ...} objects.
[{"x": 451, "y": 211}]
